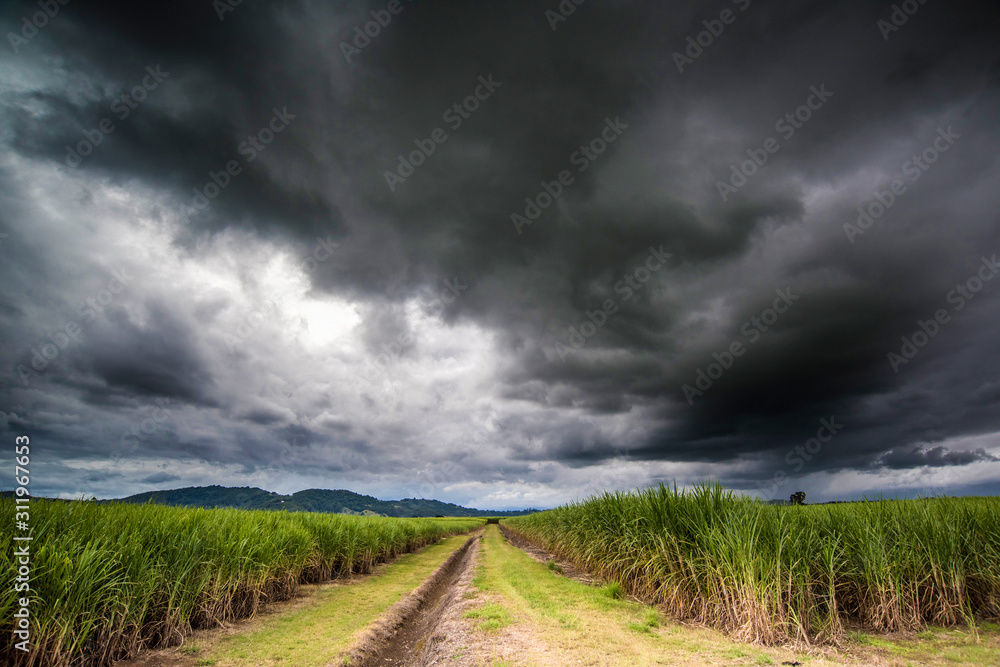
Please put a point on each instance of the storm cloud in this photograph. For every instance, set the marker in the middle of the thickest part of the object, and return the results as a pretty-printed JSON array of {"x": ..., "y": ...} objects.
[{"x": 501, "y": 255}]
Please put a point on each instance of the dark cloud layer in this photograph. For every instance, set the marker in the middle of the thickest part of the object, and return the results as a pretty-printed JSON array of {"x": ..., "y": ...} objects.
[
  {"x": 431, "y": 340},
  {"x": 935, "y": 456}
]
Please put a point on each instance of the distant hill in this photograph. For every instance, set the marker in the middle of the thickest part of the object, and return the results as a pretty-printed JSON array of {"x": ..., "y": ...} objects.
[{"x": 310, "y": 500}]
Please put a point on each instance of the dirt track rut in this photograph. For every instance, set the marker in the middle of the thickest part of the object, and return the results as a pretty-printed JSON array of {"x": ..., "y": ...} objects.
[{"x": 404, "y": 637}]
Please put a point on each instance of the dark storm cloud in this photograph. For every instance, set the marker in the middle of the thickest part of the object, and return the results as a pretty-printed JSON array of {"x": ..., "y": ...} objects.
[
  {"x": 655, "y": 186},
  {"x": 933, "y": 456},
  {"x": 386, "y": 331},
  {"x": 211, "y": 96},
  {"x": 159, "y": 478},
  {"x": 156, "y": 359},
  {"x": 264, "y": 417}
]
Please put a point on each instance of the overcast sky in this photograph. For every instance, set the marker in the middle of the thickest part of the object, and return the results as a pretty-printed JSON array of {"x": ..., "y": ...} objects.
[{"x": 502, "y": 254}]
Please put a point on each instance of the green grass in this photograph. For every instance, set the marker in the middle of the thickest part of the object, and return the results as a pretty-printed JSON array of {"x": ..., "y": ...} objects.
[
  {"x": 613, "y": 590},
  {"x": 317, "y": 633},
  {"x": 524, "y": 588},
  {"x": 937, "y": 645},
  {"x": 650, "y": 621},
  {"x": 771, "y": 574},
  {"x": 109, "y": 580},
  {"x": 492, "y": 616},
  {"x": 570, "y": 622}
]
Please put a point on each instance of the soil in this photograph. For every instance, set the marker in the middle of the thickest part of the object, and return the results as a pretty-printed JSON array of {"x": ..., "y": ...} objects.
[
  {"x": 406, "y": 633},
  {"x": 433, "y": 629},
  {"x": 457, "y": 642}
]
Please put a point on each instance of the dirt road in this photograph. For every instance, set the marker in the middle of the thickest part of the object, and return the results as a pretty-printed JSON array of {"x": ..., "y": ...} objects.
[
  {"x": 508, "y": 602},
  {"x": 487, "y": 601},
  {"x": 406, "y": 635}
]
